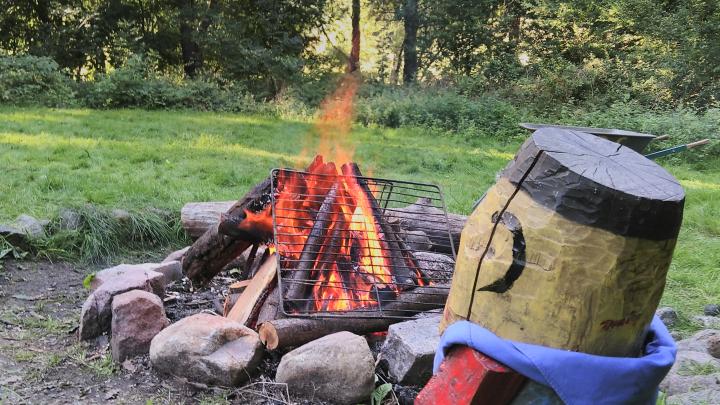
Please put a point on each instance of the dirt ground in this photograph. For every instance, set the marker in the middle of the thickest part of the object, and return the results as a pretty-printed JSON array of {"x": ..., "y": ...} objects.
[{"x": 42, "y": 361}]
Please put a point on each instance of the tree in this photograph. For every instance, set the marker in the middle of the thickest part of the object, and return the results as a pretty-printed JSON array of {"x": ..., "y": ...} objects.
[
  {"x": 410, "y": 24},
  {"x": 354, "y": 59}
]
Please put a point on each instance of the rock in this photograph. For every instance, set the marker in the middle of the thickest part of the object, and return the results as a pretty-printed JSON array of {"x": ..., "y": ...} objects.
[
  {"x": 675, "y": 384},
  {"x": 711, "y": 322},
  {"x": 120, "y": 215},
  {"x": 171, "y": 270},
  {"x": 137, "y": 316},
  {"x": 69, "y": 219},
  {"x": 692, "y": 363},
  {"x": 713, "y": 346},
  {"x": 705, "y": 341},
  {"x": 409, "y": 350},
  {"x": 667, "y": 315},
  {"x": 143, "y": 270},
  {"x": 97, "y": 310},
  {"x": 338, "y": 368},
  {"x": 14, "y": 236},
  {"x": 712, "y": 310},
  {"x": 30, "y": 226},
  {"x": 708, "y": 396},
  {"x": 207, "y": 349},
  {"x": 176, "y": 255}
]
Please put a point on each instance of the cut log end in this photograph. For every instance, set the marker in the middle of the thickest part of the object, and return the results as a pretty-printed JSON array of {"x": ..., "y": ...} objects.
[{"x": 268, "y": 335}]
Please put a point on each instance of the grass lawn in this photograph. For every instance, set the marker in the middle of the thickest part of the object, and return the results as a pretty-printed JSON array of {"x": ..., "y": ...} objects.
[{"x": 136, "y": 159}]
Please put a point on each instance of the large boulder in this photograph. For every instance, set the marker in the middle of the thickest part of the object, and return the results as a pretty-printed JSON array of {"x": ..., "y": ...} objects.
[
  {"x": 207, "y": 349},
  {"x": 707, "y": 396},
  {"x": 338, "y": 368},
  {"x": 137, "y": 316},
  {"x": 706, "y": 341},
  {"x": 409, "y": 350},
  {"x": 97, "y": 310}
]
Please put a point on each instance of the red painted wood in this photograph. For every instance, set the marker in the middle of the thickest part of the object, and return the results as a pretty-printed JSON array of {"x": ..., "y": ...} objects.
[{"x": 469, "y": 377}]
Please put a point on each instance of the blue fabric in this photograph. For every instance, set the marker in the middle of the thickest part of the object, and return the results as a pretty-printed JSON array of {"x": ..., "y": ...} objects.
[{"x": 577, "y": 378}]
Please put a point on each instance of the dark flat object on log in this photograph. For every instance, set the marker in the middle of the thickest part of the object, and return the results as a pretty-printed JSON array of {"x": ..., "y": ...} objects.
[{"x": 636, "y": 141}]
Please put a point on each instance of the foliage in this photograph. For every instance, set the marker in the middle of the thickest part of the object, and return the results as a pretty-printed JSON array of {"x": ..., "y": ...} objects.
[
  {"x": 439, "y": 109},
  {"x": 31, "y": 80},
  {"x": 104, "y": 233}
]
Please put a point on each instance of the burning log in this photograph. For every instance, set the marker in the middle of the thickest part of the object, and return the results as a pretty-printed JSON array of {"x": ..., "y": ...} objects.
[
  {"x": 402, "y": 262},
  {"x": 286, "y": 332},
  {"x": 213, "y": 250},
  {"x": 297, "y": 289},
  {"x": 198, "y": 217}
]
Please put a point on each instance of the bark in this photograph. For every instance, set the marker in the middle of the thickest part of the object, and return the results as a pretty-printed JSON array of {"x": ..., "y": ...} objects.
[
  {"x": 298, "y": 280},
  {"x": 214, "y": 250},
  {"x": 354, "y": 59},
  {"x": 288, "y": 332},
  {"x": 410, "y": 64}
]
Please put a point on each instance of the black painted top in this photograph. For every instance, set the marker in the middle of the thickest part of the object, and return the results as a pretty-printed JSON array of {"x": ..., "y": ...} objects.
[{"x": 599, "y": 183}]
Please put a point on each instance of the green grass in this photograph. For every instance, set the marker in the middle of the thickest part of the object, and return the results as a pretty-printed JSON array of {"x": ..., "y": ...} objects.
[{"x": 136, "y": 160}]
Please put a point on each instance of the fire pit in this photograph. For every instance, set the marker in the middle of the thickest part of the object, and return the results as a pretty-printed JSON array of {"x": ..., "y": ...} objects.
[{"x": 342, "y": 249}]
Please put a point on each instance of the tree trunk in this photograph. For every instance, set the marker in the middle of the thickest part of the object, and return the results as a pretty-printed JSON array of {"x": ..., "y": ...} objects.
[
  {"x": 354, "y": 60},
  {"x": 190, "y": 50},
  {"x": 410, "y": 65}
]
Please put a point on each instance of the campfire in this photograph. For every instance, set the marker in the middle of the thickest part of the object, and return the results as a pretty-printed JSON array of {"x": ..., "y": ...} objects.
[{"x": 362, "y": 251}]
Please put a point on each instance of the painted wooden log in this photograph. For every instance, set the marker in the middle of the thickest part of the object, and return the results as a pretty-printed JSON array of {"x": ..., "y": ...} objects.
[
  {"x": 469, "y": 377},
  {"x": 570, "y": 248}
]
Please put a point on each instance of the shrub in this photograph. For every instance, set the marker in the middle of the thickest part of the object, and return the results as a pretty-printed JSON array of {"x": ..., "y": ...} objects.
[
  {"x": 440, "y": 109},
  {"x": 33, "y": 80}
]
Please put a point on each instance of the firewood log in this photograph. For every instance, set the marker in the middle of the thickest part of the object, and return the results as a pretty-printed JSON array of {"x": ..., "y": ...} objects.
[
  {"x": 283, "y": 333},
  {"x": 213, "y": 250},
  {"x": 198, "y": 217}
]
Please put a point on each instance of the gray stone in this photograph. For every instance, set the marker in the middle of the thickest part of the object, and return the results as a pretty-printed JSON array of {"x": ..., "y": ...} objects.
[
  {"x": 120, "y": 215},
  {"x": 137, "y": 316},
  {"x": 96, "y": 312},
  {"x": 142, "y": 271},
  {"x": 171, "y": 270},
  {"x": 690, "y": 362},
  {"x": 338, "y": 368},
  {"x": 667, "y": 315},
  {"x": 700, "y": 341},
  {"x": 712, "y": 322},
  {"x": 675, "y": 384},
  {"x": 176, "y": 255},
  {"x": 712, "y": 310},
  {"x": 14, "y": 236},
  {"x": 69, "y": 219},
  {"x": 409, "y": 350},
  {"x": 708, "y": 396},
  {"x": 207, "y": 349},
  {"x": 30, "y": 226}
]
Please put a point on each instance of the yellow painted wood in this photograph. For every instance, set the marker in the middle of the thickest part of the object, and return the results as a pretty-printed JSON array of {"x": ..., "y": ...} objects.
[{"x": 583, "y": 288}]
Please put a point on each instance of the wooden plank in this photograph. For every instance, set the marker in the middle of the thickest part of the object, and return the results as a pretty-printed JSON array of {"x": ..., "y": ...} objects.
[
  {"x": 239, "y": 286},
  {"x": 242, "y": 309},
  {"x": 469, "y": 377}
]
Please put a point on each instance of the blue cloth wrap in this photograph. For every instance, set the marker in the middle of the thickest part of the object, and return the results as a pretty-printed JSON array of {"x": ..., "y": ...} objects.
[{"x": 577, "y": 378}]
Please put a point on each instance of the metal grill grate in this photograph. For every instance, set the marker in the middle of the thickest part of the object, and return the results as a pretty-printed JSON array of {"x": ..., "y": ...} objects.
[{"x": 344, "y": 249}]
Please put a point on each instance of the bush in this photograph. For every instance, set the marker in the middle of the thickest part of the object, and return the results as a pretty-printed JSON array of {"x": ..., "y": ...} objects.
[
  {"x": 440, "y": 109},
  {"x": 33, "y": 80}
]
